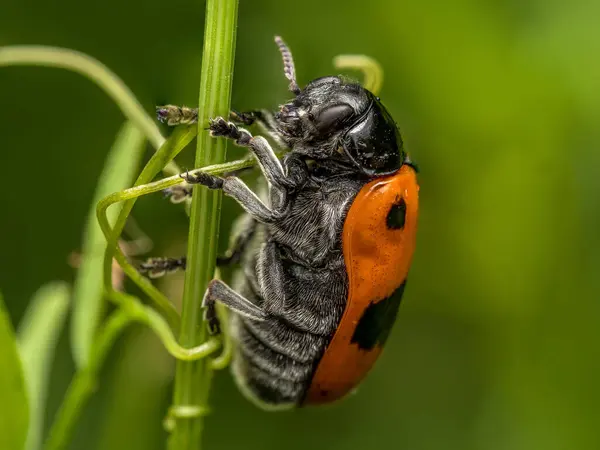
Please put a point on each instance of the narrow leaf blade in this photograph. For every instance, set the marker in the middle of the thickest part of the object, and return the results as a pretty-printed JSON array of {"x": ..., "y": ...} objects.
[
  {"x": 14, "y": 409},
  {"x": 38, "y": 333},
  {"x": 119, "y": 169}
]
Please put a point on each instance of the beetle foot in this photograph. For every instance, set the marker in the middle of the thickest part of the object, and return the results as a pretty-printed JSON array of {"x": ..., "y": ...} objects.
[
  {"x": 174, "y": 115},
  {"x": 177, "y": 193},
  {"x": 210, "y": 314},
  {"x": 241, "y": 117},
  {"x": 203, "y": 178},
  {"x": 219, "y": 127},
  {"x": 157, "y": 267}
]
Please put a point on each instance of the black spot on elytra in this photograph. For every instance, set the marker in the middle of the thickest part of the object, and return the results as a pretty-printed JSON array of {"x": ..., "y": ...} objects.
[
  {"x": 397, "y": 215},
  {"x": 376, "y": 322}
]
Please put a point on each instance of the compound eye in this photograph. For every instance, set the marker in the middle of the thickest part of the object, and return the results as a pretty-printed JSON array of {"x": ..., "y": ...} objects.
[{"x": 332, "y": 118}]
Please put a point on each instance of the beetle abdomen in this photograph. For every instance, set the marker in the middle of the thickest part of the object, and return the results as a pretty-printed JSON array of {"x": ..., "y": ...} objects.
[
  {"x": 274, "y": 360},
  {"x": 269, "y": 377}
]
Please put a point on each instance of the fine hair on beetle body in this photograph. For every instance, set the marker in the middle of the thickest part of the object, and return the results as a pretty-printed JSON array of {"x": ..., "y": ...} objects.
[{"x": 300, "y": 313}]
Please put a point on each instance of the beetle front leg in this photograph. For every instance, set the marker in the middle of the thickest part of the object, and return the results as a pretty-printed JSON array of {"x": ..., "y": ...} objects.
[
  {"x": 265, "y": 121},
  {"x": 270, "y": 164},
  {"x": 282, "y": 179},
  {"x": 174, "y": 115}
]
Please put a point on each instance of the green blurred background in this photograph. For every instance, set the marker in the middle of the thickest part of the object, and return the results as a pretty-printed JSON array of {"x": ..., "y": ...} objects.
[{"x": 497, "y": 343}]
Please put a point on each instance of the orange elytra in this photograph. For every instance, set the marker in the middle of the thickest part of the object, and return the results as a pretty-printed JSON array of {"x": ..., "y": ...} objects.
[{"x": 378, "y": 243}]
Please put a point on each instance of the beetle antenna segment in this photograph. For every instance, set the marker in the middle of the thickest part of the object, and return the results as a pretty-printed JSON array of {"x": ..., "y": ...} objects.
[{"x": 288, "y": 64}]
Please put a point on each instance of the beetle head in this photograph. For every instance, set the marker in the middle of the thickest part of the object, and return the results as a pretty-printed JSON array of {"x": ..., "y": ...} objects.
[{"x": 332, "y": 118}]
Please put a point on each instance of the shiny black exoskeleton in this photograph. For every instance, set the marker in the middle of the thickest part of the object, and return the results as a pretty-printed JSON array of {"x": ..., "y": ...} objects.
[
  {"x": 290, "y": 296},
  {"x": 331, "y": 114}
]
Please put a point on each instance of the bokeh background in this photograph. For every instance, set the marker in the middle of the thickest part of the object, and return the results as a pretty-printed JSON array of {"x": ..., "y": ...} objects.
[{"x": 497, "y": 343}]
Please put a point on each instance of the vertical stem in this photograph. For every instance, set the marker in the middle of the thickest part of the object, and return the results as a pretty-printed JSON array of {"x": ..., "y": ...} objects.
[{"x": 192, "y": 379}]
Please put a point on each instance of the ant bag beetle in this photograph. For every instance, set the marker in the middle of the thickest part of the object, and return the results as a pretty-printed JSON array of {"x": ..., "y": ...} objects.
[{"x": 326, "y": 256}]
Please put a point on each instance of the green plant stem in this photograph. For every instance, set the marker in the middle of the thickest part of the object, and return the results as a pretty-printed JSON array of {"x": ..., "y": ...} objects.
[
  {"x": 83, "y": 384},
  {"x": 192, "y": 380}
]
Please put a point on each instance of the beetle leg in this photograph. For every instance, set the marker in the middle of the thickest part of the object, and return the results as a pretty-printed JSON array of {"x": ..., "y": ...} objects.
[
  {"x": 157, "y": 267},
  {"x": 174, "y": 115},
  {"x": 236, "y": 188},
  {"x": 178, "y": 193},
  {"x": 270, "y": 164},
  {"x": 261, "y": 117},
  {"x": 218, "y": 291},
  {"x": 265, "y": 121}
]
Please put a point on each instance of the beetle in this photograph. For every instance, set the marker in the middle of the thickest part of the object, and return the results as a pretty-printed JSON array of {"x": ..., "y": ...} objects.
[{"x": 326, "y": 255}]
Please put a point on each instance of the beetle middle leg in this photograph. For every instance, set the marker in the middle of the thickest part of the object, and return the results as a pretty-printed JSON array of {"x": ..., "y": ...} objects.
[
  {"x": 157, "y": 267},
  {"x": 236, "y": 188},
  {"x": 244, "y": 230}
]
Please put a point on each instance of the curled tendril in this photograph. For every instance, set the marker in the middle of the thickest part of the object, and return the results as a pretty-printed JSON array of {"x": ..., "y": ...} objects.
[{"x": 371, "y": 69}]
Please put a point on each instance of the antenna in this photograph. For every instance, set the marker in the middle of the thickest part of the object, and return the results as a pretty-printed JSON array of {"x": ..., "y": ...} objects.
[{"x": 288, "y": 64}]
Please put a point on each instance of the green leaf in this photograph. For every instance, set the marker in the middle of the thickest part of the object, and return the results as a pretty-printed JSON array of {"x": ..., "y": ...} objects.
[
  {"x": 121, "y": 164},
  {"x": 38, "y": 333},
  {"x": 14, "y": 409}
]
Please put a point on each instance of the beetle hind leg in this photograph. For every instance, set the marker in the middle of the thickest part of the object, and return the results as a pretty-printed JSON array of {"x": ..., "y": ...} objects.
[{"x": 218, "y": 291}]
